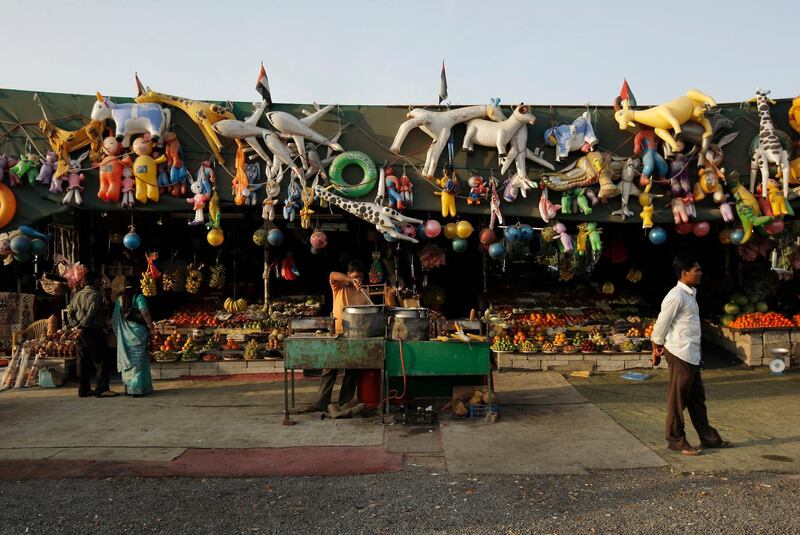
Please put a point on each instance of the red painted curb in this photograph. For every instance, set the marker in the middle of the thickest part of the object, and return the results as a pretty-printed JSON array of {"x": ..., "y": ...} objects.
[{"x": 228, "y": 462}]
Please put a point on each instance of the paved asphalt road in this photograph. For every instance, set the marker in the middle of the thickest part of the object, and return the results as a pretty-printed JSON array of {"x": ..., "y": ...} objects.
[{"x": 416, "y": 501}]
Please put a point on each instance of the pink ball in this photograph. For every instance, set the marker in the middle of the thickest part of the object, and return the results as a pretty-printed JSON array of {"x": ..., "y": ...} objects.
[
  {"x": 432, "y": 228},
  {"x": 319, "y": 240},
  {"x": 701, "y": 228},
  {"x": 776, "y": 227},
  {"x": 683, "y": 228}
]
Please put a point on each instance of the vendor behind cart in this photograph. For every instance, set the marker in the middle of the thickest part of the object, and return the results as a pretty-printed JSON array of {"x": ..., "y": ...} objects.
[{"x": 346, "y": 290}]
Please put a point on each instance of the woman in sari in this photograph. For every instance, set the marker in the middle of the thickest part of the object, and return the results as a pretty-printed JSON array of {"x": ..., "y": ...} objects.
[{"x": 132, "y": 323}]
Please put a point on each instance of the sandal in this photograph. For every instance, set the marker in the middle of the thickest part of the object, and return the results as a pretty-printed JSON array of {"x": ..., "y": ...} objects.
[{"x": 689, "y": 451}]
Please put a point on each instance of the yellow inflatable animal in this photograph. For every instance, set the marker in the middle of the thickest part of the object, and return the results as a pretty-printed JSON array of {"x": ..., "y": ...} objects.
[{"x": 794, "y": 115}]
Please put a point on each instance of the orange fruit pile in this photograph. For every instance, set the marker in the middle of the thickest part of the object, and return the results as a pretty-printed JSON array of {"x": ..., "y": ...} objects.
[{"x": 761, "y": 320}]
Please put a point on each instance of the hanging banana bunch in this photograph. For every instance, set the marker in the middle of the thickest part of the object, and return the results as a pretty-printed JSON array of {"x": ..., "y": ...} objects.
[{"x": 194, "y": 278}]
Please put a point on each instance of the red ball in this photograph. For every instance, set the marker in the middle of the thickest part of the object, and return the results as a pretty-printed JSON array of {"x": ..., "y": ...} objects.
[
  {"x": 683, "y": 228},
  {"x": 776, "y": 227},
  {"x": 488, "y": 236},
  {"x": 701, "y": 228}
]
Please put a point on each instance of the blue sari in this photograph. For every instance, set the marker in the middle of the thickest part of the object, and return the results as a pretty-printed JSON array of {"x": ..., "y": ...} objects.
[{"x": 133, "y": 361}]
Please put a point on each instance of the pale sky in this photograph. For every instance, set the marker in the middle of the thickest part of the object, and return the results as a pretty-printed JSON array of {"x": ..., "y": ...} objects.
[{"x": 390, "y": 52}]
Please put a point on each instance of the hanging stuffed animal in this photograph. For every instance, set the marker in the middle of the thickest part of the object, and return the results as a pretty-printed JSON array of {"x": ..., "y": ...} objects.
[
  {"x": 289, "y": 269},
  {"x": 162, "y": 174},
  {"x": 144, "y": 169},
  {"x": 128, "y": 184},
  {"x": 110, "y": 171},
  {"x": 563, "y": 235},
  {"x": 595, "y": 240},
  {"x": 198, "y": 201},
  {"x": 291, "y": 204},
  {"x": 653, "y": 164},
  {"x": 273, "y": 189},
  {"x": 392, "y": 189},
  {"x": 47, "y": 169},
  {"x": 406, "y": 187},
  {"x": 6, "y": 163},
  {"x": 240, "y": 182},
  {"x": 746, "y": 206},
  {"x": 26, "y": 167},
  {"x": 547, "y": 210},
  {"x": 571, "y": 137},
  {"x": 178, "y": 175},
  {"x": 74, "y": 178},
  {"x": 253, "y": 173},
  {"x": 494, "y": 204},
  {"x": 477, "y": 190},
  {"x": 627, "y": 187},
  {"x": 307, "y": 197},
  {"x": 646, "y": 201},
  {"x": 780, "y": 206},
  {"x": 207, "y": 176},
  {"x": 448, "y": 193}
]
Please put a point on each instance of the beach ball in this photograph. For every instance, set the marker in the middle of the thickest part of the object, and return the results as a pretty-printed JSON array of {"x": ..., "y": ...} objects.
[
  {"x": 701, "y": 228},
  {"x": 657, "y": 235},
  {"x": 20, "y": 245},
  {"x": 497, "y": 250},
  {"x": 526, "y": 233},
  {"x": 215, "y": 237},
  {"x": 432, "y": 228},
  {"x": 487, "y": 236},
  {"x": 513, "y": 234},
  {"x": 38, "y": 247},
  {"x": 450, "y": 231},
  {"x": 776, "y": 227},
  {"x": 319, "y": 240},
  {"x": 737, "y": 236},
  {"x": 459, "y": 245},
  {"x": 260, "y": 237},
  {"x": 131, "y": 240},
  {"x": 683, "y": 228},
  {"x": 464, "y": 229},
  {"x": 410, "y": 230},
  {"x": 275, "y": 237}
]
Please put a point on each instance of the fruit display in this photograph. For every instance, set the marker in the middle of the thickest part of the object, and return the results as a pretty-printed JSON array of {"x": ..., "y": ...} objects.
[
  {"x": 548, "y": 347},
  {"x": 172, "y": 342},
  {"x": 194, "y": 278},
  {"x": 232, "y": 345},
  {"x": 519, "y": 337},
  {"x": 761, "y": 320},
  {"x": 294, "y": 307},
  {"x": 527, "y": 347},
  {"x": 599, "y": 340},
  {"x": 214, "y": 343},
  {"x": 211, "y": 357},
  {"x": 634, "y": 332},
  {"x": 503, "y": 344},
  {"x": 148, "y": 285},
  {"x": 569, "y": 348},
  {"x": 629, "y": 347},
  {"x": 168, "y": 281},
  {"x": 588, "y": 347},
  {"x": 560, "y": 339},
  {"x": 164, "y": 356},
  {"x": 648, "y": 331},
  {"x": 189, "y": 350},
  {"x": 235, "y": 306},
  {"x": 216, "y": 278},
  {"x": 251, "y": 350},
  {"x": 796, "y": 319},
  {"x": 578, "y": 339},
  {"x": 156, "y": 340}
]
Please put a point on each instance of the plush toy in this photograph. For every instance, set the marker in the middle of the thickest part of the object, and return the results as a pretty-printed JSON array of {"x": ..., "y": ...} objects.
[
  {"x": 63, "y": 142},
  {"x": 746, "y": 206},
  {"x": 563, "y": 235},
  {"x": 477, "y": 190},
  {"x": 204, "y": 114},
  {"x": 198, "y": 201},
  {"x": 794, "y": 115},
  {"x": 769, "y": 148},
  {"x": 669, "y": 116},
  {"x": 449, "y": 185},
  {"x": 581, "y": 240},
  {"x": 438, "y": 125},
  {"x": 780, "y": 206},
  {"x": 273, "y": 189},
  {"x": 392, "y": 184},
  {"x": 178, "y": 175},
  {"x": 56, "y": 184},
  {"x": 291, "y": 204},
  {"x": 206, "y": 176},
  {"x": 132, "y": 118},
  {"x": 571, "y": 137},
  {"x": 307, "y": 197},
  {"x": 47, "y": 169},
  {"x": 128, "y": 184},
  {"x": 494, "y": 204},
  {"x": 547, "y": 210},
  {"x": 74, "y": 178},
  {"x": 627, "y": 186},
  {"x": 595, "y": 239},
  {"x": 26, "y": 167},
  {"x": 6, "y": 163},
  {"x": 646, "y": 201},
  {"x": 581, "y": 202},
  {"x": 406, "y": 189},
  {"x": 144, "y": 169},
  {"x": 110, "y": 171},
  {"x": 253, "y": 173}
]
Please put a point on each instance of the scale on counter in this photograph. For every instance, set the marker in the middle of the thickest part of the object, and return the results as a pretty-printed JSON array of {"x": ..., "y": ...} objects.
[{"x": 780, "y": 361}]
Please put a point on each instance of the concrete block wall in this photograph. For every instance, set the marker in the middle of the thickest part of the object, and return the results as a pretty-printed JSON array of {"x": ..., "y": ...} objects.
[
  {"x": 175, "y": 370},
  {"x": 600, "y": 362}
]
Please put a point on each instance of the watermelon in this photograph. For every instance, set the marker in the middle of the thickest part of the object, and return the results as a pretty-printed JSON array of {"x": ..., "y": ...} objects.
[
  {"x": 731, "y": 308},
  {"x": 761, "y": 306},
  {"x": 726, "y": 319},
  {"x": 739, "y": 299}
]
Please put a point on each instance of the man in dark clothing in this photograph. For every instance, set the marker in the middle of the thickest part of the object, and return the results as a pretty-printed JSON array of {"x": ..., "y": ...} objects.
[{"x": 86, "y": 315}]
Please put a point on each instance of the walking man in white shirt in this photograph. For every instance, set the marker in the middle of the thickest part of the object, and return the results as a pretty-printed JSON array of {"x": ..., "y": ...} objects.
[{"x": 676, "y": 336}]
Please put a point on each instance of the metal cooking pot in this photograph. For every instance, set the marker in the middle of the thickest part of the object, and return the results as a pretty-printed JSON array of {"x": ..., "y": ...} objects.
[
  {"x": 410, "y": 312},
  {"x": 364, "y": 321},
  {"x": 364, "y": 309}
]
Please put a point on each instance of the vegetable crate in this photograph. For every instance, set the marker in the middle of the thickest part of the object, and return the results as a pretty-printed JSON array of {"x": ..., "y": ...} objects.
[{"x": 481, "y": 411}]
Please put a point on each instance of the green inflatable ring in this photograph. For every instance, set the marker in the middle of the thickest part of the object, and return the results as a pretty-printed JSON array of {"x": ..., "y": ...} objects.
[{"x": 353, "y": 158}]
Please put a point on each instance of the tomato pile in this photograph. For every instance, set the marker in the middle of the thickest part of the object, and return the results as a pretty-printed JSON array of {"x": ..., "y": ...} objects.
[{"x": 761, "y": 320}]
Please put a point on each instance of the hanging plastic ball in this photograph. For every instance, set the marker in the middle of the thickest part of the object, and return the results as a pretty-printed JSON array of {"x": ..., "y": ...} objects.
[
  {"x": 725, "y": 237},
  {"x": 260, "y": 237},
  {"x": 215, "y": 237},
  {"x": 315, "y": 251},
  {"x": 701, "y": 228},
  {"x": 20, "y": 245},
  {"x": 683, "y": 228},
  {"x": 657, "y": 235},
  {"x": 464, "y": 229},
  {"x": 38, "y": 247},
  {"x": 421, "y": 232},
  {"x": 319, "y": 240},
  {"x": 22, "y": 257},
  {"x": 487, "y": 236},
  {"x": 432, "y": 228},
  {"x": 459, "y": 245},
  {"x": 131, "y": 240},
  {"x": 737, "y": 236},
  {"x": 526, "y": 233},
  {"x": 450, "y": 231},
  {"x": 275, "y": 237},
  {"x": 513, "y": 234},
  {"x": 776, "y": 227},
  {"x": 497, "y": 250},
  {"x": 410, "y": 230}
]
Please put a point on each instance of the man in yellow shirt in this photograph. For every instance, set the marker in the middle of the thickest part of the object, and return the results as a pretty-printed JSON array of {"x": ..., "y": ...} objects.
[{"x": 346, "y": 290}]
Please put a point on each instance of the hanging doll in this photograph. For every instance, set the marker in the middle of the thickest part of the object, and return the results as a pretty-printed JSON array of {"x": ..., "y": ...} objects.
[
  {"x": 178, "y": 175},
  {"x": 128, "y": 184},
  {"x": 207, "y": 176},
  {"x": 74, "y": 178},
  {"x": 145, "y": 169},
  {"x": 162, "y": 173},
  {"x": 595, "y": 239},
  {"x": 273, "y": 189},
  {"x": 110, "y": 170},
  {"x": 291, "y": 204},
  {"x": 26, "y": 167},
  {"x": 494, "y": 204},
  {"x": 627, "y": 187},
  {"x": 47, "y": 169},
  {"x": 198, "y": 201},
  {"x": 448, "y": 193},
  {"x": 406, "y": 187},
  {"x": 780, "y": 207},
  {"x": 646, "y": 202},
  {"x": 477, "y": 190},
  {"x": 563, "y": 235},
  {"x": 6, "y": 163},
  {"x": 240, "y": 182},
  {"x": 307, "y": 196},
  {"x": 392, "y": 189},
  {"x": 680, "y": 189},
  {"x": 653, "y": 164},
  {"x": 253, "y": 173}
]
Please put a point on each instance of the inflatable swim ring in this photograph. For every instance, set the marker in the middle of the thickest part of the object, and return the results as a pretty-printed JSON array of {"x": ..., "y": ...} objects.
[
  {"x": 353, "y": 158},
  {"x": 8, "y": 205}
]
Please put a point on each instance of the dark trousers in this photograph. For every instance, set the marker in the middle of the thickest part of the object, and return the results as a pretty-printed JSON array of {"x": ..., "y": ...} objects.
[
  {"x": 328, "y": 379},
  {"x": 686, "y": 392},
  {"x": 93, "y": 359}
]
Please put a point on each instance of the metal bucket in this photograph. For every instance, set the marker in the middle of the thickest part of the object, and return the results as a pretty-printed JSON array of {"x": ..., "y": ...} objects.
[
  {"x": 364, "y": 321},
  {"x": 409, "y": 324}
]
